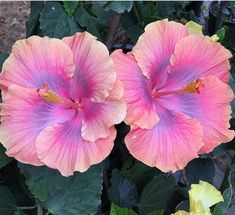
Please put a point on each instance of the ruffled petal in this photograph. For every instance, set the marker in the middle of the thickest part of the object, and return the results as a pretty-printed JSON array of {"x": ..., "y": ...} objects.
[
  {"x": 94, "y": 74},
  {"x": 23, "y": 116},
  {"x": 61, "y": 147},
  {"x": 137, "y": 91},
  {"x": 99, "y": 117},
  {"x": 195, "y": 57},
  {"x": 155, "y": 47},
  {"x": 170, "y": 145},
  {"x": 211, "y": 108},
  {"x": 203, "y": 196},
  {"x": 36, "y": 61}
]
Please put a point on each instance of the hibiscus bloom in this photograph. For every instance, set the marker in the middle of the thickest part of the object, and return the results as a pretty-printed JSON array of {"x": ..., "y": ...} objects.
[
  {"x": 61, "y": 101},
  {"x": 178, "y": 100},
  {"x": 201, "y": 197}
]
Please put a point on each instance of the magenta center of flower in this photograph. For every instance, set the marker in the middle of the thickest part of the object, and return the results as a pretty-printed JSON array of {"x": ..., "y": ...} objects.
[
  {"x": 192, "y": 87},
  {"x": 50, "y": 96}
]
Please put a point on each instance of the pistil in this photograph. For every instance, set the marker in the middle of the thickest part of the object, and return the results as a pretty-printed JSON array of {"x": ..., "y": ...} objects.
[
  {"x": 50, "y": 96},
  {"x": 193, "y": 87}
]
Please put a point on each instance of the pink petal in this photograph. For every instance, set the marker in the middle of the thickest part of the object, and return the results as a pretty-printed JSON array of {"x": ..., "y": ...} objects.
[
  {"x": 99, "y": 117},
  {"x": 170, "y": 145},
  {"x": 155, "y": 47},
  {"x": 212, "y": 109},
  {"x": 23, "y": 116},
  {"x": 137, "y": 91},
  {"x": 94, "y": 75},
  {"x": 62, "y": 147},
  {"x": 36, "y": 61},
  {"x": 196, "y": 56}
]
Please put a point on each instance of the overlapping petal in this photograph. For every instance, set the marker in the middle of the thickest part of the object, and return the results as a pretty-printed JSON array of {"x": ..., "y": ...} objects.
[
  {"x": 23, "y": 116},
  {"x": 203, "y": 196},
  {"x": 137, "y": 91},
  {"x": 94, "y": 74},
  {"x": 155, "y": 47},
  {"x": 211, "y": 107},
  {"x": 67, "y": 151},
  {"x": 99, "y": 117},
  {"x": 36, "y": 61},
  {"x": 195, "y": 57},
  {"x": 170, "y": 145}
]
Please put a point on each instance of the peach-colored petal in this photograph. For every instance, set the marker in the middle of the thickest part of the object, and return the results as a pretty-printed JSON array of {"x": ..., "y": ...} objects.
[
  {"x": 170, "y": 145},
  {"x": 137, "y": 91},
  {"x": 99, "y": 117},
  {"x": 36, "y": 61},
  {"x": 94, "y": 74},
  {"x": 211, "y": 107},
  {"x": 155, "y": 47},
  {"x": 194, "y": 57},
  {"x": 23, "y": 116},
  {"x": 61, "y": 147}
]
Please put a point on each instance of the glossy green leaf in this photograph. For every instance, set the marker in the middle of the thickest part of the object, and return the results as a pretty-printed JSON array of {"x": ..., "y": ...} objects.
[
  {"x": 3, "y": 57},
  {"x": 221, "y": 34},
  {"x": 80, "y": 194},
  {"x": 55, "y": 22},
  {"x": 200, "y": 169},
  {"x": 7, "y": 202},
  {"x": 4, "y": 159},
  {"x": 157, "y": 193},
  {"x": 88, "y": 21},
  {"x": 115, "y": 210},
  {"x": 41, "y": 181},
  {"x": 232, "y": 85},
  {"x": 33, "y": 22},
  {"x": 138, "y": 172},
  {"x": 122, "y": 192},
  {"x": 158, "y": 212},
  {"x": 119, "y": 6},
  {"x": 226, "y": 189},
  {"x": 70, "y": 7}
]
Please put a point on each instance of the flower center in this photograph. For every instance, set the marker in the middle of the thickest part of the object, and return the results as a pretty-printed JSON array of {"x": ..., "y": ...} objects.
[
  {"x": 193, "y": 87},
  {"x": 50, "y": 96}
]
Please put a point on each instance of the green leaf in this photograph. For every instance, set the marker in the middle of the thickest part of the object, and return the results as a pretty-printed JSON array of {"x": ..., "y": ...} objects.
[
  {"x": 221, "y": 34},
  {"x": 123, "y": 192},
  {"x": 7, "y": 202},
  {"x": 3, "y": 57},
  {"x": 232, "y": 85},
  {"x": 133, "y": 32},
  {"x": 41, "y": 181},
  {"x": 157, "y": 193},
  {"x": 86, "y": 20},
  {"x": 4, "y": 159},
  {"x": 115, "y": 210},
  {"x": 119, "y": 6},
  {"x": 200, "y": 169},
  {"x": 138, "y": 172},
  {"x": 70, "y": 7},
  {"x": 226, "y": 189},
  {"x": 80, "y": 193},
  {"x": 55, "y": 22},
  {"x": 158, "y": 212},
  {"x": 33, "y": 22}
]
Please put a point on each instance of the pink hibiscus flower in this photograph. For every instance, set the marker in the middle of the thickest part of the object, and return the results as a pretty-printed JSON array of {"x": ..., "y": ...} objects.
[
  {"x": 61, "y": 101},
  {"x": 178, "y": 100}
]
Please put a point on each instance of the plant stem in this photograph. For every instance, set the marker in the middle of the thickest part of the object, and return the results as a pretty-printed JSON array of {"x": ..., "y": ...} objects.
[{"x": 112, "y": 30}]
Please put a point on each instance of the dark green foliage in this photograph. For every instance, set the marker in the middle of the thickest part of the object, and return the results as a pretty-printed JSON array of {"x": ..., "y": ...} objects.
[
  {"x": 55, "y": 22},
  {"x": 121, "y": 185},
  {"x": 195, "y": 172}
]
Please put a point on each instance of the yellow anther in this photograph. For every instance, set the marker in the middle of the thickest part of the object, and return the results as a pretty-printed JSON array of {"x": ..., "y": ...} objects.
[
  {"x": 193, "y": 87},
  {"x": 50, "y": 96}
]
